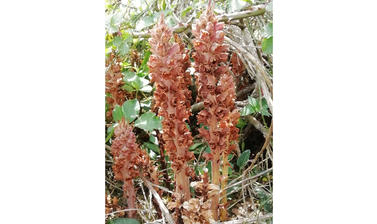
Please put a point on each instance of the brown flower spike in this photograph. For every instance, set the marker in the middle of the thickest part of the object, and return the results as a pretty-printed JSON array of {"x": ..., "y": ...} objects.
[
  {"x": 216, "y": 89},
  {"x": 128, "y": 159},
  {"x": 114, "y": 82},
  {"x": 168, "y": 64}
]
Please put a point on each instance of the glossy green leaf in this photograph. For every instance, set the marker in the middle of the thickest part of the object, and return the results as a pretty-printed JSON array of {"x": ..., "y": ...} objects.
[
  {"x": 146, "y": 89},
  {"x": 244, "y": 157},
  {"x": 195, "y": 145},
  {"x": 136, "y": 82},
  {"x": 123, "y": 49},
  {"x": 268, "y": 30},
  {"x": 264, "y": 110},
  {"x": 246, "y": 110},
  {"x": 131, "y": 109},
  {"x": 267, "y": 45},
  {"x": 146, "y": 103},
  {"x": 117, "y": 113},
  {"x": 149, "y": 121},
  {"x": 241, "y": 122},
  {"x": 152, "y": 146},
  {"x": 153, "y": 139}
]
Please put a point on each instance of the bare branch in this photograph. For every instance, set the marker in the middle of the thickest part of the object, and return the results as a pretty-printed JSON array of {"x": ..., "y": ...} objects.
[{"x": 255, "y": 11}]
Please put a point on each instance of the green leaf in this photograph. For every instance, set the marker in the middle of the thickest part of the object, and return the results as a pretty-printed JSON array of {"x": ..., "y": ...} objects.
[
  {"x": 149, "y": 121},
  {"x": 146, "y": 103},
  {"x": 117, "y": 41},
  {"x": 207, "y": 149},
  {"x": 144, "y": 63},
  {"x": 146, "y": 89},
  {"x": 136, "y": 82},
  {"x": 195, "y": 145},
  {"x": 184, "y": 12},
  {"x": 152, "y": 147},
  {"x": 267, "y": 45},
  {"x": 110, "y": 132},
  {"x": 246, "y": 110},
  {"x": 131, "y": 109},
  {"x": 113, "y": 22},
  {"x": 144, "y": 22},
  {"x": 123, "y": 49},
  {"x": 124, "y": 221},
  {"x": 268, "y": 30},
  {"x": 241, "y": 123},
  {"x": 244, "y": 157},
  {"x": 117, "y": 113},
  {"x": 264, "y": 110}
]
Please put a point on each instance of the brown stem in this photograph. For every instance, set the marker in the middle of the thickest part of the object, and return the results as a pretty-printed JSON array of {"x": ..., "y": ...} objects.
[
  {"x": 224, "y": 182},
  {"x": 130, "y": 194},
  {"x": 183, "y": 184},
  {"x": 216, "y": 181}
]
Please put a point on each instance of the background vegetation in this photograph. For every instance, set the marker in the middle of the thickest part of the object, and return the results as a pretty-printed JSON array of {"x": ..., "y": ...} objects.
[{"x": 129, "y": 94}]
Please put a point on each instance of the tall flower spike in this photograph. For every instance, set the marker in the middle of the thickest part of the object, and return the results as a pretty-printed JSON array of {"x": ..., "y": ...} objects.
[
  {"x": 128, "y": 158},
  {"x": 216, "y": 89},
  {"x": 168, "y": 64},
  {"x": 114, "y": 82}
]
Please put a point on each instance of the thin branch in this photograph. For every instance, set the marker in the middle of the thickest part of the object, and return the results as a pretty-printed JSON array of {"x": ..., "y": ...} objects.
[
  {"x": 266, "y": 143},
  {"x": 262, "y": 77},
  {"x": 163, "y": 208},
  {"x": 257, "y": 125},
  {"x": 256, "y": 11},
  {"x": 248, "y": 220}
]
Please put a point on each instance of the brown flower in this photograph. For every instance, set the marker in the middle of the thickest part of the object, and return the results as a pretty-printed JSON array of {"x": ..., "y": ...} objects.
[
  {"x": 168, "y": 64},
  {"x": 216, "y": 88}
]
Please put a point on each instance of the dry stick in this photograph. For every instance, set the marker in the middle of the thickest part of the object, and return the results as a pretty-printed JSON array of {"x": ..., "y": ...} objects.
[
  {"x": 163, "y": 208},
  {"x": 261, "y": 76},
  {"x": 257, "y": 125},
  {"x": 124, "y": 210},
  {"x": 266, "y": 143},
  {"x": 248, "y": 220},
  {"x": 256, "y": 11}
]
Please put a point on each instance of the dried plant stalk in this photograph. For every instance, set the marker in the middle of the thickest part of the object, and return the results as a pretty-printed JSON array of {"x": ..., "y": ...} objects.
[
  {"x": 216, "y": 89},
  {"x": 168, "y": 64}
]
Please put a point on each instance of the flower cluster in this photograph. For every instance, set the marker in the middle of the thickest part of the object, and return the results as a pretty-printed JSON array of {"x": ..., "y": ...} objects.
[
  {"x": 167, "y": 65},
  {"x": 216, "y": 88},
  {"x": 128, "y": 159},
  {"x": 114, "y": 82}
]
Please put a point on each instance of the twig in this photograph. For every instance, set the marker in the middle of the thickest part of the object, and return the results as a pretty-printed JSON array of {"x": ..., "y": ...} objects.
[
  {"x": 197, "y": 107},
  {"x": 248, "y": 220},
  {"x": 256, "y": 11},
  {"x": 250, "y": 178},
  {"x": 163, "y": 208},
  {"x": 257, "y": 125},
  {"x": 246, "y": 90},
  {"x": 124, "y": 210},
  {"x": 261, "y": 76},
  {"x": 266, "y": 143}
]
